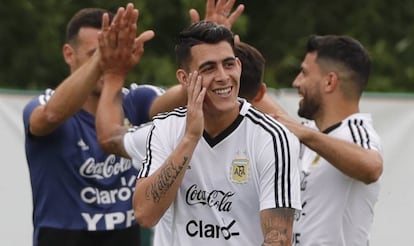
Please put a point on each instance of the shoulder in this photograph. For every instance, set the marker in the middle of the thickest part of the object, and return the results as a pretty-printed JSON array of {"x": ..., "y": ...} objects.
[
  {"x": 358, "y": 119},
  {"x": 359, "y": 123},
  {"x": 360, "y": 130},
  {"x": 43, "y": 98},
  {"x": 143, "y": 89},
  {"x": 137, "y": 102},
  {"x": 176, "y": 114},
  {"x": 38, "y": 100},
  {"x": 269, "y": 130},
  {"x": 142, "y": 95},
  {"x": 172, "y": 121},
  {"x": 263, "y": 121}
]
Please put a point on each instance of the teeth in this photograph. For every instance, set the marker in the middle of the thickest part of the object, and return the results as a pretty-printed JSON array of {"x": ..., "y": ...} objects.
[{"x": 222, "y": 91}]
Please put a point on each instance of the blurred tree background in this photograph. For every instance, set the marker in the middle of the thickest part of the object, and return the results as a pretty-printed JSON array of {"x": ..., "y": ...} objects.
[{"x": 32, "y": 35}]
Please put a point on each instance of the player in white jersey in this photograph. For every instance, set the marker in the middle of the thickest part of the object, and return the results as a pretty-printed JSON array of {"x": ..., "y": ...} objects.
[
  {"x": 245, "y": 175},
  {"x": 231, "y": 178},
  {"x": 226, "y": 172},
  {"x": 337, "y": 209},
  {"x": 342, "y": 162}
]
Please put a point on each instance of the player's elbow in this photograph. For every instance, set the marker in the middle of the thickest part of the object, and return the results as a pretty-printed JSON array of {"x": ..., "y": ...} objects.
[
  {"x": 144, "y": 214},
  {"x": 105, "y": 144},
  {"x": 111, "y": 139},
  {"x": 45, "y": 122},
  {"x": 144, "y": 219},
  {"x": 374, "y": 173}
]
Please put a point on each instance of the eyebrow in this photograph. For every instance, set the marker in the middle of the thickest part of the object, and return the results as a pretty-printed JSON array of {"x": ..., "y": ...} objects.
[{"x": 209, "y": 63}]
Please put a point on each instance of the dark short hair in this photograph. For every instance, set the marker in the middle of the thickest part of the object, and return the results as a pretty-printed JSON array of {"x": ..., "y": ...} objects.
[
  {"x": 253, "y": 66},
  {"x": 87, "y": 17},
  {"x": 199, "y": 33},
  {"x": 345, "y": 51}
]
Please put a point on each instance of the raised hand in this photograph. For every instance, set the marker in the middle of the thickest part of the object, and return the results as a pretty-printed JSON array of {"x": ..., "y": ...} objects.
[
  {"x": 195, "y": 99},
  {"x": 119, "y": 46},
  {"x": 219, "y": 12}
]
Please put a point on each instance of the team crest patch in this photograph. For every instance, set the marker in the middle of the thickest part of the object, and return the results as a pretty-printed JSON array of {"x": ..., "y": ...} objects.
[{"x": 240, "y": 171}]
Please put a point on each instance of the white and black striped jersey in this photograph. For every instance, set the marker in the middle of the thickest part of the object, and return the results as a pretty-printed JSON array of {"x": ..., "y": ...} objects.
[
  {"x": 249, "y": 167},
  {"x": 336, "y": 209}
]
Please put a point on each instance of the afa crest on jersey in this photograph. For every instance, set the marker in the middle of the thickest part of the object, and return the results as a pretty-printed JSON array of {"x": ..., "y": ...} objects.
[{"x": 240, "y": 171}]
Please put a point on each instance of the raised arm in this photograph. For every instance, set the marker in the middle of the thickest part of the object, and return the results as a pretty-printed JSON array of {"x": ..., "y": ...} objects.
[
  {"x": 362, "y": 164},
  {"x": 219, "y": 12},
  {"x": 67, "y": 99},
  {"x": 155, "y": 193},
  {"x": 121, "y": 50}
]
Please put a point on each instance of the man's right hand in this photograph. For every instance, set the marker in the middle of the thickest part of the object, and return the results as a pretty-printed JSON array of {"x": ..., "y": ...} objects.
[
  {"x": 219, "y": 12},
  {"x": 119, "y": 46},
  {"x": 195, "y": 99}
]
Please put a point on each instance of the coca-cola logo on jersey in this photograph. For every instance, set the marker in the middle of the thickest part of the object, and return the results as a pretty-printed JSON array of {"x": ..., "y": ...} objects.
[
  {"x": 106, "y": 169},
  {"x": 218, "y": 199}
]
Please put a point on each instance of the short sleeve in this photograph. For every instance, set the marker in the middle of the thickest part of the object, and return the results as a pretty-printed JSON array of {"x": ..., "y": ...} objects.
[
  {"x": 279, "y": 179},
  {"x": 135, "y": 143}
]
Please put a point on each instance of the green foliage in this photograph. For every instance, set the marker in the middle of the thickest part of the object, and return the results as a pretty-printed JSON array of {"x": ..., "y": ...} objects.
[{"x": 33, "y": 35}]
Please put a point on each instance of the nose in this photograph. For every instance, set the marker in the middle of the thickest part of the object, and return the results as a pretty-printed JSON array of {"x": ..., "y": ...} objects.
[
  {"x": 296, "y": 81},
  {"x": 221, "y": 74}
]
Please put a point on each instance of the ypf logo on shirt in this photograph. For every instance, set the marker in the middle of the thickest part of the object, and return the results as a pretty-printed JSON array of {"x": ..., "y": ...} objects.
[{"x": 240, "y": 171}]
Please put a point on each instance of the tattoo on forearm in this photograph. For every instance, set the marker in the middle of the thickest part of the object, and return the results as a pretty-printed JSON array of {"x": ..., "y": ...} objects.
[
  {"x": 276, "y": 236},
  {"x": 278, "y": 227},
  {"x": 165, "y": 180}
]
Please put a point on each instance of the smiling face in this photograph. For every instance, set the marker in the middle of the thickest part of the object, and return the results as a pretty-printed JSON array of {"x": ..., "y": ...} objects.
[
  {"x": 309, "y": 82},
  {"x": 220, "y": 71}
]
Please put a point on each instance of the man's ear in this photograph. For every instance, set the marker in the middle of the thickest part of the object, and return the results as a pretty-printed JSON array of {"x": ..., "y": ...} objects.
[
  {"x": 332, "y": 81},
  {"x": 182, "y": 76},
  {"x": 68, "y": 54},
  {"x": 260, "y": 94}
]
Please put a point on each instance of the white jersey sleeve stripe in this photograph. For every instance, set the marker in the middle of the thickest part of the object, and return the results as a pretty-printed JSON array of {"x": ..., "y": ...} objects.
[
  {"x": 178, "y": 112},
  {"x": 282, "y": 155},
  {"x": 148, "y": 156},
  {"x": 359, "y": 133},
  {"x": 44, "y": 98},
  {"x": 366, "y": 134}
]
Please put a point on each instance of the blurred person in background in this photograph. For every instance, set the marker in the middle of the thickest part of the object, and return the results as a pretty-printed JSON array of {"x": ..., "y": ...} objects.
[{"x": 82, "y": 195}]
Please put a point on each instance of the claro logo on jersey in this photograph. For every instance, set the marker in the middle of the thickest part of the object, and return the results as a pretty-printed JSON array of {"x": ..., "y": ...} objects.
[
  {"x": 216, "y": 199},
  {"x": 201, "y": 229},
  {"x": 106, "y": 169}
]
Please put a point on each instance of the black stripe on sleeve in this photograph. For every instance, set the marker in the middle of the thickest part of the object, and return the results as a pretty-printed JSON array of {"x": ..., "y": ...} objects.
[
  {"x": 148, "y": 156},
  {"x": 359, "y": 133},
  {"x": 178, "y": 112},
  {"x": 283, "y": 196}
]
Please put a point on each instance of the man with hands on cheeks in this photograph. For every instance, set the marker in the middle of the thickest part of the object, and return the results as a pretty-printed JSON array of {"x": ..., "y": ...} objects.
[
  {"x": 110, "y": 128},
  {"x": 217, "y": 171},
  {"x": 252, "y": 86},
  {"x": 251, "y": 153}
]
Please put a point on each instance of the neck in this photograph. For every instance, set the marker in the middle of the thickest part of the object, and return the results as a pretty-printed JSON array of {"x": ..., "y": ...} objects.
[
  {"x": 215, "y": 123},
  {"x": 335, "y": 114}
]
